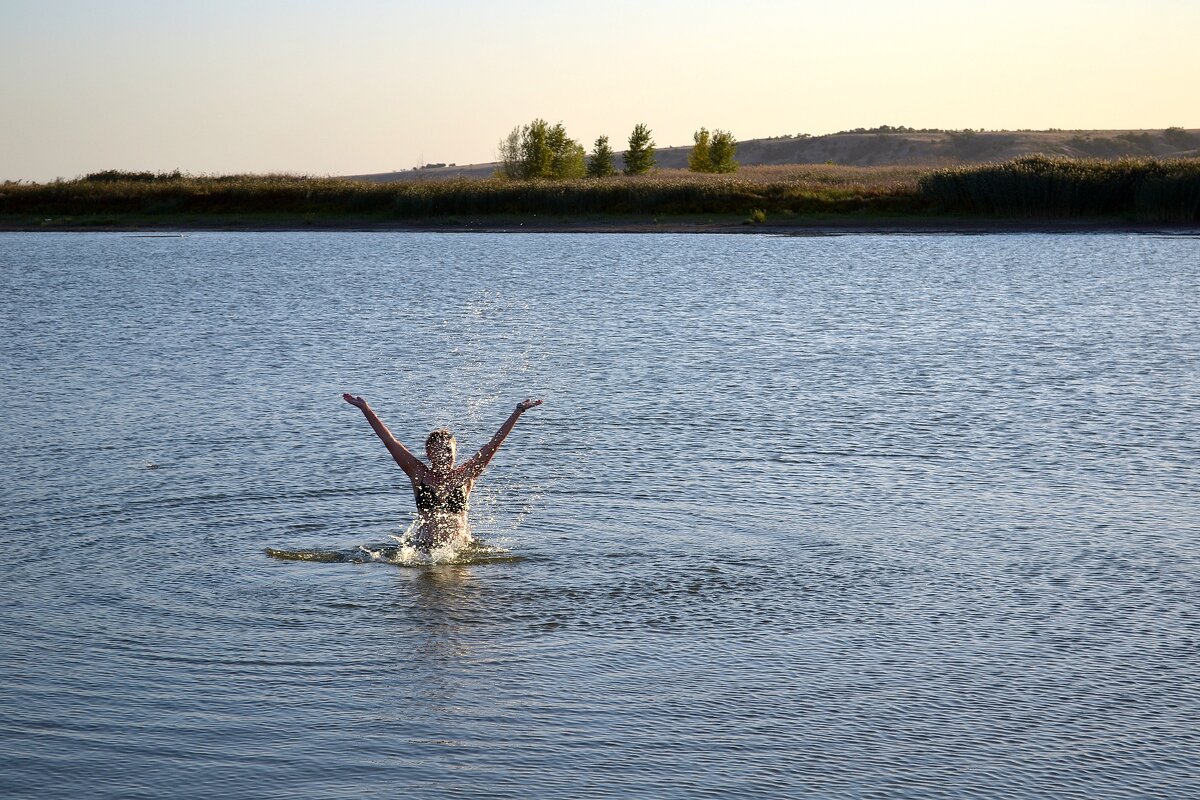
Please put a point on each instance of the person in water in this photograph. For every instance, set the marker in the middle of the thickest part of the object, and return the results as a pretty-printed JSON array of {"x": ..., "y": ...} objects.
[{"x": 441, "y": 490}]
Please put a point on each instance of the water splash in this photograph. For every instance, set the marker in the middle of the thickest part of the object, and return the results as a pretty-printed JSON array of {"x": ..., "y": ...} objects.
[{"x": 402, "y": 552}]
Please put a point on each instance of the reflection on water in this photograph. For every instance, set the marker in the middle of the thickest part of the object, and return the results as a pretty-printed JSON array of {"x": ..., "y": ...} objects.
[
  {"x": 444, "y": 597},
  {"x": 856, "y": 516}
]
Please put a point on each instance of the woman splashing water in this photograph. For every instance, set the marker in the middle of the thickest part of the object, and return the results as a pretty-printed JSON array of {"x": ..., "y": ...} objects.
[{"x": 441, "y": 490}]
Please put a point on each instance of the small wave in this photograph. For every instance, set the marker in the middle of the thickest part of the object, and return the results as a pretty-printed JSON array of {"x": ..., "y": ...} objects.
[{"x": 402, "y": 553}]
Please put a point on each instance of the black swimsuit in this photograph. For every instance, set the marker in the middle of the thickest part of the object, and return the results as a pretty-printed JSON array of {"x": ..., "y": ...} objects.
[{"x": 430, "y": 501}]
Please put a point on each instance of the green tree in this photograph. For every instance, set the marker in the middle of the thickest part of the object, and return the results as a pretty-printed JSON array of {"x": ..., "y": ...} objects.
[
  {"x": 540, "y": 150},
  {"x": 721, "y": 152},
  {"x": 699, "y": 160},
  {"x": 566, "y": 154},
  {"x": 639, "y": 158},
  {"x": 536, "y": 155},
  {"x": 510, "y": 155},
  {"x": 600, "y": 164}
]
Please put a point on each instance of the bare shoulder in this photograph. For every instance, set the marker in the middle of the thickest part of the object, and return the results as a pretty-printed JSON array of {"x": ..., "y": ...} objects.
[{"x": 417, "y": 472}]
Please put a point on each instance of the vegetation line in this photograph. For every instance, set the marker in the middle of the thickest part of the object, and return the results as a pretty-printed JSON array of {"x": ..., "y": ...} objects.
[{"x": 1146, "y": 190}]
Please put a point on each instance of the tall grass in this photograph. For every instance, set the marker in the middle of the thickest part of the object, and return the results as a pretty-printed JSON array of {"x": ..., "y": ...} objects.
[
  {"x": 1035, "y": 187},
  {"x": 666, "y": 192},
  {"x": 1143, "y": 189}
]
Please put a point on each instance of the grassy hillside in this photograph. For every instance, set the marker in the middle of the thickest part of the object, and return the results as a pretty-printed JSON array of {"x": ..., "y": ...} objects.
[{"x": 901, "y": 148}]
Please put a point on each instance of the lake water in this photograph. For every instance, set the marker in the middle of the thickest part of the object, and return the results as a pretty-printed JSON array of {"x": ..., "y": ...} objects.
[{"x": 856, "y": 516}]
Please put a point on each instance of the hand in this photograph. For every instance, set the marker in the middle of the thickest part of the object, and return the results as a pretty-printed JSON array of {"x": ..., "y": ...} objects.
[
  {"x": 527, "y": 404},
  {"x": 355, "y": 401}
]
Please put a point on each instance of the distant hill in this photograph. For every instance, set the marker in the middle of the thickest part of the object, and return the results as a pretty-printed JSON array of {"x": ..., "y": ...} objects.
[{"x": 897, "y": 146}]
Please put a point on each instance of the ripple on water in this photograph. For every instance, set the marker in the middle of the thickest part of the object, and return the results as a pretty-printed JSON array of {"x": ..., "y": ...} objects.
[{"x": 853, "y": 517}]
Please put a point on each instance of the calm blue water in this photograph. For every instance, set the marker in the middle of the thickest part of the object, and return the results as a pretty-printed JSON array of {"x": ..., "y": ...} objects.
[{"x": 862, "y": 516}]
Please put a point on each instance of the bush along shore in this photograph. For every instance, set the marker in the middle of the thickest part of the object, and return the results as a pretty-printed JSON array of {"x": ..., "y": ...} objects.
[
  {"x": 1145, "y": 190},
  {"x": 1033, "y": 188}
]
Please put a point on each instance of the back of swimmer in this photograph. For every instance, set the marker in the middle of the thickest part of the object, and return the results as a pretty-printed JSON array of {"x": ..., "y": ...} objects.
[{"x": 441, "y": 488}]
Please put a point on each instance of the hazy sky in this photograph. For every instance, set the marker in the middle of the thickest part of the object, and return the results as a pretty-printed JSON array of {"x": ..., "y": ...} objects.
[{"x": 368, "y": 86}]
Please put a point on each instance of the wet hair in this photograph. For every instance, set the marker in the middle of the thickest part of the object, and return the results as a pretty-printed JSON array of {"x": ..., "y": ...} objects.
[{"x": 439, "y": 437}]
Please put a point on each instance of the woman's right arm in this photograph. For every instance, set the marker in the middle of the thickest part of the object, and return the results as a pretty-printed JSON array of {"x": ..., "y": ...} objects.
[{"x": 411, "y": 465}]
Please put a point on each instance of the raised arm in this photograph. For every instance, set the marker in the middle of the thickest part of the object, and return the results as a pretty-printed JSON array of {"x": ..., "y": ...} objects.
[
  {"x": 411, "y": 465},
  {"x": 480, "y": 460}
]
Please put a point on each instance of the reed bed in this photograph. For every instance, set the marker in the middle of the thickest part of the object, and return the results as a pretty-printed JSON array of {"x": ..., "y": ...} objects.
[
  {"x": 1149, "y": 190},
  {"x": 1146, "y": 189},
  {"x": 664, "y": 192}
]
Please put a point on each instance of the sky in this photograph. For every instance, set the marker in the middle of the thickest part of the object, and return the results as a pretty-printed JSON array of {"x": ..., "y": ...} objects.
[{"x": 360, "y": 86}]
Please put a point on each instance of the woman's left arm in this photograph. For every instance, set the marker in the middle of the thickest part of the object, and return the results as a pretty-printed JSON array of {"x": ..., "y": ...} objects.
[{"x": 478, "y": 462}]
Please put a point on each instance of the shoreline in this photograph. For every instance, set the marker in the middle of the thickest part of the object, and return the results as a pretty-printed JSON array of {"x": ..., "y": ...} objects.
[{"x": 799, "y": 225}]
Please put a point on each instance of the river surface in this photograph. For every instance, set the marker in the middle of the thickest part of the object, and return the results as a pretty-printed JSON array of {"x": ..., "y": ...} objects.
[{"x": 829, "y": 517}]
